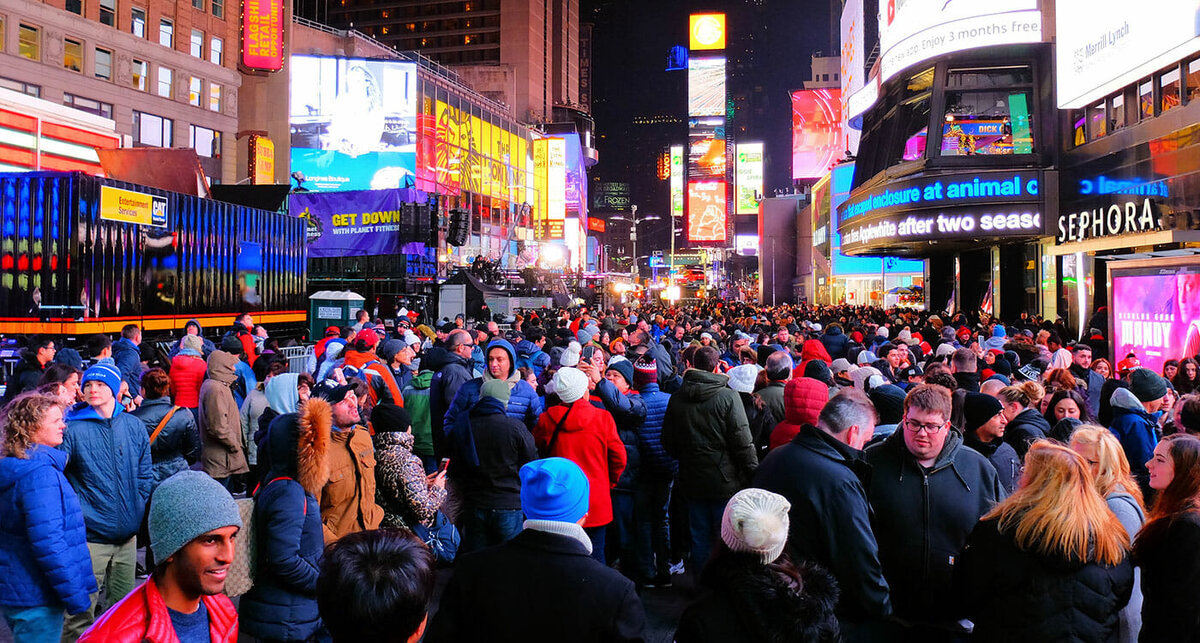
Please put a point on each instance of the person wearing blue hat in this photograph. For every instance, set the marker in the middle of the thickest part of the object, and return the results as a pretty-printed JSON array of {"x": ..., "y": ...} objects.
[
  {"x": 542, "y": 585},
  {"x": 109, "y": 467}
]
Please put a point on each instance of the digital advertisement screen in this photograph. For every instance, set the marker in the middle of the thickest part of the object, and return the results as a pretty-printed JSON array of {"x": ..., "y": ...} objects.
[
  {"x": 677, "y": 180},
  {"x": 706, "y": 31},
  {"x": 1103, "y": 45},
  {"x": 911, "y": 31},
  {"x": 853, "y": 64},
  {"x": 816, "y": 132},
  {"x": 843, "y": 266},
  {"x": 706, "y": 148},
  {"x": 706, "y": 212},
  {"x": 353, "y": 122},
  {"x": 749, "y": 173},
  {"x": 1155, "y": 313},
  {"x": 706, "y": 86}
]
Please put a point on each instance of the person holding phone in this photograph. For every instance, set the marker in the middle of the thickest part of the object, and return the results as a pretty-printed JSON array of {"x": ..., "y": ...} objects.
[{"x": 407, "y": 495}]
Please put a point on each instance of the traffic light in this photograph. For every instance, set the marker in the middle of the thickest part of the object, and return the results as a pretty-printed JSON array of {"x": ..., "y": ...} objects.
[{"x": 460, "y": 226}]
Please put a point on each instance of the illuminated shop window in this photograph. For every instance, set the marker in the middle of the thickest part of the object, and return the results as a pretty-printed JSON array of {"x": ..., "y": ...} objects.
[
  {"x": 1171, "y": 88},
  {"x": 1193, "y": 80},
  {"x": 1146, "y": 99}
]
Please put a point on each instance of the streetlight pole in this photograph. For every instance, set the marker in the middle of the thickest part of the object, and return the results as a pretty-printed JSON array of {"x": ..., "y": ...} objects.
[{"x": 633, "y": 221}]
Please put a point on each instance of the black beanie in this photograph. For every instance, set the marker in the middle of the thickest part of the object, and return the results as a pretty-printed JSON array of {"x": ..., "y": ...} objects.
[
  {"x": 979, "y": 409},
  {"x": 232, "y": 345},
  {"x": 764, "y": 351},
  {"x": 889, "y": 403},
  {"x": 819, "y": 370},
  {"x": 390, "y": 418}
]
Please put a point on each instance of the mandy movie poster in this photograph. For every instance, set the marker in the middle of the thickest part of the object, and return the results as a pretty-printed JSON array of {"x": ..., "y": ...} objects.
[{"x": 1156, "y": 313}]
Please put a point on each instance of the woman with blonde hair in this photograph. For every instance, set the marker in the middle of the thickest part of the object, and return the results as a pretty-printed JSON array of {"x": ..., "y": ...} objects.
[
  {"x": 1025, "y": 422},
  {"x": 1051, "y": 562}
]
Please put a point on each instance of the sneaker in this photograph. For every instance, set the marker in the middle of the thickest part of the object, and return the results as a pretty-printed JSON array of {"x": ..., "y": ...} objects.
[{"x": 677, "y": 568}]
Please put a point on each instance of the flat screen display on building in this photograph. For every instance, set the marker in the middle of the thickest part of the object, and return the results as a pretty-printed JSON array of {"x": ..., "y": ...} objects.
[
  {"x": 706, "y": 31},
  {"x": 677, "y": 180},
  {"x": 706, "y": 217},
  {"x": 353, "y": 122},
  {"x": 706, "y": 148},
  {"x": 816, "y": 132},
  {"x": 1103, "y": 45},
  {"x": 854, "y": 73},
  {"x": 749, "y": 173},
  {"x": 1155, "y": 313},
  {"x": 706, "y": 86}
]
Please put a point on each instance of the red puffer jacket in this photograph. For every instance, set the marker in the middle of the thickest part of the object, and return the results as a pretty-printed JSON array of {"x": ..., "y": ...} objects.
[
  {"x": 187, "y": 374},
  {"x": 803, "y": 399},
  {"x": 589, "y": 439},
  {"x": 813, "y": 349},
  {"x": 143, "y": 616}
]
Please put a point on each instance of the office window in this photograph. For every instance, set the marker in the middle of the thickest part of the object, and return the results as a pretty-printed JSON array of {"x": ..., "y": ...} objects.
[
  {"x": 197, "y": 45},
  {"x": 88, "y": 105},
  {"x": 165, "y": 82},
  {"x": 1171, "y": 87},
  {"x": 214, "y": 97},
  {"x": 216, "y": 51},
  {"x": 103, "y": 64},
  {"x": 198, "y": 4},
  {"x": 74, "y": 6},
  {"x": 137, "y": 21},
  {"x": 30, "y": 42},
  {"x": 166, "y": 33},
  {"x": 108, "y": 12},
  {"x": 206, "y": 142},
  {"x": 1097, "y": 122},
  {"x": 1116, "y": 117},
  {"x": 2, "y": 31},
  {"x": 152, "y": 131},
  {"x": 72, "y": 54},
  {"x": 1146, "y": 99},
  {"x": 1193, "y": 79},
  {"x": 218, "y": 8},
  {"x": 141, "y": 72},
  {"x": 194, "y": 92},
  {"x": 21, "y": 86}
]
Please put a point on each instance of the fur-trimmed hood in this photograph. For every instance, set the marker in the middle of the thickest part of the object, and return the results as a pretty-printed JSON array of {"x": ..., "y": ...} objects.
[
  {"x": 774, "y": 605},
  {"x": 299, "y": 444}
]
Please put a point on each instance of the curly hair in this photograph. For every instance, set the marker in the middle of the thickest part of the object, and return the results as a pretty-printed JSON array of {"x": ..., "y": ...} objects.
[{"x": 21, "y": 419}]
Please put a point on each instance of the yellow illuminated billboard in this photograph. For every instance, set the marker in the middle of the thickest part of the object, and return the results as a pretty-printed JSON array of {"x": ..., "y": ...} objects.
[{"x": 706, "y": 32}]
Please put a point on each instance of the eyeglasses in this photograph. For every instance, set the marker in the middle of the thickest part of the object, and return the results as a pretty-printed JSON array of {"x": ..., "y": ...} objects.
[{"x": 929, "y": 429}]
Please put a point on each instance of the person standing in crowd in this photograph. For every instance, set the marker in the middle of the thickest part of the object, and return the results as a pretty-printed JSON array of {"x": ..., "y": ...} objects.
[
  {"x": 407, "y": 496},
  {"x": 376, "y": 586},
  {"x": 755, "y": 592},
  {"x": 928, "y": 491},
  {"x": 27, "y": 372},
  {"x": 1088, "y": 382},
  {"x": 416, "y": 402},
  {"x": 803, "y": 399},
  {"x": 706, "y": 430},
  {"x": 625, "y": 404},
  {"x": 1187, "y": 379},
  {"x": 240, "y": 332},
  {"x": 244, "y": 380},
  {"x": 67, "y": 378},
  {"x": 586, "y": 435},
  {"x": 109, "y": 467},
  {"x": 282, "y": 604},
  {"x": 47, "y": 569},
  {"x": 360, "y": 354},
  {"x": 126, "y": 352},
  {"x": 452, "y": 368},
  {"x": 965, "y": 368},
  {"x": 1025, "y": 424},
  {"x": 252, "y": 409},
  {"x": 983, "y": 430},
  {"x": 779, "y": 371},
  {"x": 1051, "y": 562},
  {"x": 487, "y": 450},
  {"x": 193, "y": 329},
  {"x": 1135, "y": 421},
  {"x": 174, "y": 438},
  {"x": 224, "y": 454},
  {"x": 652, "y": 489},
  {"x": 348, "y": 498},
  {"x": 544, "y": 584},
  {"x": 188, "y": 369},
  {"x": 193, "y": 522},
  {"x": 821, "y": 472},
  {"x": 523, "y": 402}
]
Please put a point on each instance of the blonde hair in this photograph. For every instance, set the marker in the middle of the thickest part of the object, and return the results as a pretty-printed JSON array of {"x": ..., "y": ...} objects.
[
  {"x": 21, "y": 419},
  {"x": 1026, "y": 394},
  {"x": 1056, "y": 510},
  {"x": 1112, "y": 467}
]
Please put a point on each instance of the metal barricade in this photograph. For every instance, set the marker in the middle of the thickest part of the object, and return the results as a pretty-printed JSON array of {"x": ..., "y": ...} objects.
[{"x": 297, "y": 357}]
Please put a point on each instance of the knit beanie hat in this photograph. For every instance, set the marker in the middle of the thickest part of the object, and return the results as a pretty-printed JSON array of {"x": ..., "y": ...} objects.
[
  {"x": 185, "y": 506},
  {"x": 645, "y": 371},
  {"x": 819, "y": 371},
  {"x": 106, "y": 373},
  {"x": 1147, "y": 385},
  {"x": 756, "y": 522},
  {"x": 999, "y": 331},
  {"x": 387, "y": 350},
  {"x": 741, "y": 378},
  {"x": 554, "y": 489},
  {"x": 193, "y": 343},
  {"x": 570, "y": 357},
  {"x": 232, "y": 345},
  {"x": 624, "y": 367},
  {"x": 497, "y": 390},
  {"x": 390, "y": 418},
  {"x": 70, "y": 357},
  {"x": 570, "y": 384},
  {"x": 882, "y": 332},
  {"x": 764, "y": 351},
  {"x": 583, "y": 336},
  {"x": 979, "y": 409},
  {"x": 889, "y": 403},
  {"x": 945, "y": 349}
]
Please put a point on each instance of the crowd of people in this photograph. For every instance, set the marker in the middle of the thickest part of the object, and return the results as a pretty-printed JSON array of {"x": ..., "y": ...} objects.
[{"x": 803, "y": 473}]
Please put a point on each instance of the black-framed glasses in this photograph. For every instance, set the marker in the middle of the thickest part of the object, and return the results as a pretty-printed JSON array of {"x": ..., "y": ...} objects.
[{"x": 929, "y": 429}]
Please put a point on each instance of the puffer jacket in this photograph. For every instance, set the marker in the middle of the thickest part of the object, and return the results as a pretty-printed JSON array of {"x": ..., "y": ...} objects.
[
  {"x": 812, "y": 349},
  {"x": 220, "y": 420},
  {"x": 24, "y": 377},
  {"x": 177, "y": 445},
  {"x": 706, "y": 429},
  {"x": 1023, "y": 430},
  {"x": 528, "y": 354},
  {"x": 835, "y": 341},
  {"x": 588, "y": 437},
  {"x": 523, "y": 401},
  {"x": 187, "y": 375},
  {"x": 142, "y": 617},
  {"x": 382, "y": 383},
  {"x": 416, "y": 402},
  {"x": 44, "y": 559},
  {"x": 450, "y": 373},
  {"x": 209, "y": 347},
  {"x": 655, "y": 461},
  {"x": 128, "y": 358},
  {"x": 282, "y": 604},
  {"x": 401, "y": 489},
  {"x": 109, "y": 466},
  {"x": 922, "y": 520},
  {"x": 629, "y": 412},
  {"x": 803, "y": 399},
  {"x": 1135, "y": 428},
  {"x": 1015, "y": 595}
]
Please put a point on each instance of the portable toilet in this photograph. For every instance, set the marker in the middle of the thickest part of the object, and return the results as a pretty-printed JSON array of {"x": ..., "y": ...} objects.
[{"x": 331, "y": 308}]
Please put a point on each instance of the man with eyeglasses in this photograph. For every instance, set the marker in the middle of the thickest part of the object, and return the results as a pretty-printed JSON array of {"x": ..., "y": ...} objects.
[
  {"x": 452, "y": 368},
  {"x": 927, "y": 490}
]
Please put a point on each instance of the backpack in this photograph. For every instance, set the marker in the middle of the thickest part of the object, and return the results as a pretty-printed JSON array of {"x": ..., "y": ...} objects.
[{"x": 240, "y": 578}]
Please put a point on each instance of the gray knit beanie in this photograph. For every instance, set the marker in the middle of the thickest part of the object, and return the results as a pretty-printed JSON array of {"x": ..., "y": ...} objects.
[{"x": 187, "y": 505}]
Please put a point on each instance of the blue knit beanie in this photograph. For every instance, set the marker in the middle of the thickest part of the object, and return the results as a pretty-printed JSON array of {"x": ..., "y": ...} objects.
[
  {"x": 185, "y": 506},
  {"x": 554, "y": 489},
  {"x": 106, "y": 373}
]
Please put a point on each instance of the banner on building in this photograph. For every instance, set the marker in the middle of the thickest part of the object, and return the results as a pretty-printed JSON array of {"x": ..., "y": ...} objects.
[
  {"x": 128, "y": 206},
  {"x": 358, "y": 223}
]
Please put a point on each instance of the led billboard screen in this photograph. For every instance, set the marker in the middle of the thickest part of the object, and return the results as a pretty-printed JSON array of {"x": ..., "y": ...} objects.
[
  {"x": 749, "y": 173},
  {"x": 1103, "y": 45},
  {"x": 816, "y": 132},
  {"x": 677, "y": 180},
  {"x": 706, "y": 31},
  {"x": 1156, "y": 313},
  {"x": 706, "y": 86},
  {"x": 353, "y": 122},
  {"x": 843, "y": 266},
  {"x": 706, "y": 212},
  {"x": 853, "y": 64},
  {"x": 706, "y": 148},
  {"x": 911, "y": 31}
]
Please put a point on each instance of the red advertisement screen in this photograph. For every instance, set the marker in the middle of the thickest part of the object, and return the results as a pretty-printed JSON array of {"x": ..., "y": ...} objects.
[
  {"x": 706, "y": 212},
  {"x": 816, "y": 132},
  {"x": 1156, "y": 314}
]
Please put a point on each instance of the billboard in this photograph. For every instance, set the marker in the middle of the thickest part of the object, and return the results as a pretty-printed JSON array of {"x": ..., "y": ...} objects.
[
  {"x": 843, "y": 266},
  {"x": 1155, "y": 313},
  {"x": 749, "y": 173},
  {"x": 262, "y": 35},
  {"x": 706, "y": 31},
  {"x": 816, "y": 132},
  {"x": 353, "y": 122},
  {"x": 706, "y": 148},
  {"x": 359, "y": 223},
  {"x": 853, "y": 65},
  {"x": 911, "y": 31},
  {"x": 706, "y": 86},
  {"x": 676, "y": 180},
  {"x": 611, "y": 197},
  {"x": 706, "y": 220},
  {"x": 1103, "y": 45},
  {"x": 550, "y": 178}
]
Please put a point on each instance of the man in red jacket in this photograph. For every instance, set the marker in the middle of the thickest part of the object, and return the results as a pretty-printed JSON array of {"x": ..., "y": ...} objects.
[{"x": 193, "y": 521}]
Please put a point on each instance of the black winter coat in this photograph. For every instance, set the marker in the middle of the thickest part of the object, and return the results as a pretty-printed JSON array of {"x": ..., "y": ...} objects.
[
  {"x": 1014, "y": 595},
  {"x": 451, "y": 371},
  {"x": 1023, "y": 430},
  {"x": 830, "y": 520},
  {"x": 923, "y": 517},
  {"x": 705, "y": 428},
  {"x": 536, "y": 587},
  {"x": 24, "y": 377},
  {"x": 835, "y": 341},
  {"x": 500, "y": 444},
  {"x": 1002, "y": 456},
  {"x": 177, "y": 445},
  {"x": 1169, "y": 555}
]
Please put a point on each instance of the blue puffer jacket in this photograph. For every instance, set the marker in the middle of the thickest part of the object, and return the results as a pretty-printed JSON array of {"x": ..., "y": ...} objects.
[
  {"x": 629, "y": 412},
  {"x": 44, "y": 558},
  {"x": 835, "y": 341},
  {"x": 523, "y": 402},
  {"x": 654, "y": 458},
  {"x": 108, "y": 465},
  {"x": 1135, "y": 428},
  {"x": 528, "y": 354},
  {"x": 282, "y": 605},
  {"x": 177, "y": 445},
  {"x": 128, "y": 357}
]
